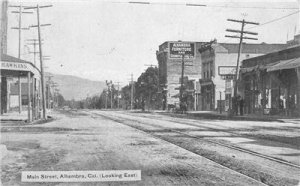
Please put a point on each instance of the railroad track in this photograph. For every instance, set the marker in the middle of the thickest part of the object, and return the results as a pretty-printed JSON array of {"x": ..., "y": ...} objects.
[
  {"x": 130, "y": 122},
  {"x": 227, "y": 130},
  {"x": 120, "y": 120}
]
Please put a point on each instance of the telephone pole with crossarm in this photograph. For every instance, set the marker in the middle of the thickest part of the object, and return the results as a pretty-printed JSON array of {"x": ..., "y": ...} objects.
[{"x": 241, "y": 37}]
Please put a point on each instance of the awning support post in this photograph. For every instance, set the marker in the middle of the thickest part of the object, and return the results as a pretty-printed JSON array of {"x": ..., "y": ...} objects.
[
  {"x": 29, "y": 96},
  {"x": 33, "y": 99},
  {"x": 20, "y": 94},
  {"x": 298, "y": 95}
]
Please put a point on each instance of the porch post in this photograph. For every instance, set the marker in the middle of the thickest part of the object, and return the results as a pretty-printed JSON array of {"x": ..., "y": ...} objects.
[
  {"x": 38, "y": 99},
  {"x": 29, "y": 96},
  {"x": 4, "y": 95},
  {"x": 33, "y": 99},
  {"x": 298, "y": 91},
  {"x": 8, "y": 94},
  {"x": 20, "y": 94}
]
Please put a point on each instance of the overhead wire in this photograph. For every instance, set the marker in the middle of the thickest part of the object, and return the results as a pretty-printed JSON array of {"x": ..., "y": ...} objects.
[
  {"x": 221, "y": 6},
  {"x": 277, "y": 19},
  {"x": 205, "y": 5},
  {"x": 257, "y": 7},
  {"x": 271, "y": 21}
]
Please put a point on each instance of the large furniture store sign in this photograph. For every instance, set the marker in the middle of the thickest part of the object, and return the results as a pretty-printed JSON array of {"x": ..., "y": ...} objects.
[{"x": 178, "y": 49}]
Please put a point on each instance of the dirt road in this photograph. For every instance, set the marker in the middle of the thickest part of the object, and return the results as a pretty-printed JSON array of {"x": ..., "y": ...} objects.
[{"x": 78, "y": 141}]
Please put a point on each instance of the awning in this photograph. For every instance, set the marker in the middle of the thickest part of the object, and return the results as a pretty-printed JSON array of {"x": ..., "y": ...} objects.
[
  {"x": 11, "y": 65},
  {"x": 285, "y": 64},
  {"x": 247, "y": 69},
  {"x": 205, "y": 82},
  {"x": 257, "y": 67}
]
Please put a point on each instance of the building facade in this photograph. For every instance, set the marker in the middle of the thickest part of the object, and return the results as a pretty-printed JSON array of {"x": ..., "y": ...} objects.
[
  {"x": 294, "y": 42},
  {"x": 20, "y": 79},
  {"x": 216, "y": 90},
  {"x": 271, "y": 83},
  {"x": 170, "y": 71}
]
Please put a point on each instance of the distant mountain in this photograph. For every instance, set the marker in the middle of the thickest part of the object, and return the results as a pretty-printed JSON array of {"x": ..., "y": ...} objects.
[{"x": 72, "y": 87}]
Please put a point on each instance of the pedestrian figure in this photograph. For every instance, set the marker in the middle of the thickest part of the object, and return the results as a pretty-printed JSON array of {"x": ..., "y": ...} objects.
[
  {"x": 281, "y": 103},
  {"x": 235, "y": 106},
  {"x": 241, "y": 103},
  {"x": 183, "y": 107},
  {"x": 143, "y": 105}
]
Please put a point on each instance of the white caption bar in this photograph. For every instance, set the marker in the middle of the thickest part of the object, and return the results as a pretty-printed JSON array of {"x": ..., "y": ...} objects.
[{"x": 81, "y": 176}]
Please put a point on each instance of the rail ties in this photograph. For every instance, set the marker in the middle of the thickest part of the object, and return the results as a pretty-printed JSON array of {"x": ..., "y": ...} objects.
[
  {"x": 122, "y": 121},
  {"x": 223, "y": 144}
]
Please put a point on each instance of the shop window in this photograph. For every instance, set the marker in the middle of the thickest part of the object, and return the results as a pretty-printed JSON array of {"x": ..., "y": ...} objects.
[{"x": 24, "y": 100}]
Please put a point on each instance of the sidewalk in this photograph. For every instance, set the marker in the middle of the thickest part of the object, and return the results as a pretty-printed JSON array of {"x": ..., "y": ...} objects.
[
  {"x": 224, "y": 116},
  {"x": 16, "y": 116}
]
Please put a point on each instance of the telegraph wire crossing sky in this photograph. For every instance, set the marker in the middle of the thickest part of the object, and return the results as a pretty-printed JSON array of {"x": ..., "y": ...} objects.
[{"x": 101, "y": 40}]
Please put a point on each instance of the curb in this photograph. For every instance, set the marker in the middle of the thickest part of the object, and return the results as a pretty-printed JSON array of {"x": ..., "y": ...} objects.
[{"x": 222, "y": 117}]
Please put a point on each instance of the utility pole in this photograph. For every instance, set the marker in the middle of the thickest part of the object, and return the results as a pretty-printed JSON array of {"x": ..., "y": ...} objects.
[
  {"x": 48, "y": 86},
  {"x": 181, "y": 88},
  {"x": 131, "y": 95},
  {"x": 181, "y": 82},
  {"x": 20, "y": 12},
  {"x": 34, "y": 43},
  {"x": 220, "y": 102},
  {"x": 106, "y": 99},
  {"x": 241, "y": 37},
  {"x": 109, "y": 85},
  {"x": 41, "y": 54},
  {"x": 57, "y": 96},
  {"x": 53, "y": 85},
  {"x": 118, "y": 102},
  {"x": 182, "y": 75},
  {"x": 111, "y": 95}
]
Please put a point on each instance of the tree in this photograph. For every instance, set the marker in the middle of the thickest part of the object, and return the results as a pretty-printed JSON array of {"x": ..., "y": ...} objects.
[
  {"x": 147, "y": 87},
  {"x": 126, "y": 96},
  {"x": 60, "y": 100}
]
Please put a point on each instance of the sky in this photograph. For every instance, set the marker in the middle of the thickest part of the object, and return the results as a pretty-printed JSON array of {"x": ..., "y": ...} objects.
[{"x": 109, "y": 40}]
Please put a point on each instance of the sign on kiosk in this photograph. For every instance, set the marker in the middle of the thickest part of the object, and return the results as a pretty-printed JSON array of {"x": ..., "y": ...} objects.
[{"x": 177, "y": 49}]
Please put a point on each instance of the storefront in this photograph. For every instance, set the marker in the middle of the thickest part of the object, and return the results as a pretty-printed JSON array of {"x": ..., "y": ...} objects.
[
  {"x": 207, "y": 94},
  {"x": 20, "y": 86},
  {"x": 271, "y": 83}
]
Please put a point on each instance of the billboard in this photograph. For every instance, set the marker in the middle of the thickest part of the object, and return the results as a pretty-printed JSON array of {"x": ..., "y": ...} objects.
[{"x": 177, "y": 49}]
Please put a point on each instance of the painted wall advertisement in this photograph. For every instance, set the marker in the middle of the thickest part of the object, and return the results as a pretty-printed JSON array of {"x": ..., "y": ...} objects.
[{"x": 177, "y": 49}]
